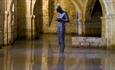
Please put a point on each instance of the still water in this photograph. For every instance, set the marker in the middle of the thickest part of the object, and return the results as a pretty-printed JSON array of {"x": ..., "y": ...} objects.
[{"x": 44, "y": 54}]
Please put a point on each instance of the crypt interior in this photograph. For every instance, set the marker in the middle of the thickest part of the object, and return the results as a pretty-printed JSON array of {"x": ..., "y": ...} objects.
[{"x": 27, "y": 42}]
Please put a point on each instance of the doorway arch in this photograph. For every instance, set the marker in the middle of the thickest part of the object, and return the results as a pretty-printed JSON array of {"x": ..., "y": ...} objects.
[{"x": 94, "y": 24}]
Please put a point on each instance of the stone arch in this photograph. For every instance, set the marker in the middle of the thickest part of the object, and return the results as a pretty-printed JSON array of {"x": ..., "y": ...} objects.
[
  {"x": 89, "y": 7},
  {"x": 92, "y": 2},
  {"x": 77, "y": 5},
  {"x": 103, "y": 8}
]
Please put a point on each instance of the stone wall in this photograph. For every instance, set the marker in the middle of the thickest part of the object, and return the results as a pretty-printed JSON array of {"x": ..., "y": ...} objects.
[
  {"x": 23, "y": 19},
  {"x": 29, "y": 18},
  {"x": 1, "y": 21},
  {"x": 22, "y": 11}
]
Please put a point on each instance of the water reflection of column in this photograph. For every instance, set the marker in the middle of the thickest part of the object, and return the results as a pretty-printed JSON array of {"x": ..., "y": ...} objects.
[
  {"x": 93, "y": 63},
  {"x": 105, "y": 61},
  {"x": 44, "y": 64},
  {"x": 105, "y": 29},
  {"x": 30, "y": 56},
  {"x": 50, "y": 54},
  {"x": 7, "y": 59}
]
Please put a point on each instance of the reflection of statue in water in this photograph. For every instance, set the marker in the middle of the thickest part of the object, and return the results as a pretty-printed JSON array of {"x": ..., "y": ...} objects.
[
  {"x": 62, "y": 19},
  {"x": 60, "y": 65}
]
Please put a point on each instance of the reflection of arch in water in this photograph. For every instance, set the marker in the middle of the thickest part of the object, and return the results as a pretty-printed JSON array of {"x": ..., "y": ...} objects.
[
  {"x": 21, "y": 19},
  {"x": 90, "y": 5},
  {"x": 93, "y": 63},
  {"x": 38, "y": 20}
]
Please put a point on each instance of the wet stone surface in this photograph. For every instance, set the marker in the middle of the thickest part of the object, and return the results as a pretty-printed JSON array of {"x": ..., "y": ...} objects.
[{"x": 44, "y": 54}]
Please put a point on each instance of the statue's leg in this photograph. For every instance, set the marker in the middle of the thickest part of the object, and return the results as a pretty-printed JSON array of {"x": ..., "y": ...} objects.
[{"x": 61, "y": 44}]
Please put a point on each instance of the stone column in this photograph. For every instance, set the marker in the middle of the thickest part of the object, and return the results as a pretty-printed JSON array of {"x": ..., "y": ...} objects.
[
  {"x": 111, "y": 31},
  {"x": 110, "y": 23},
  {"x": 104, "y": 27},
  {"x": 10, "y": 22},
  {"x": 113, "y": 24},
  {"x": 30, "y": 19},
  {"x": 7, "y": 26},
  {"x": 79, "y": 24},
  {"x": 32, "y": 4}
]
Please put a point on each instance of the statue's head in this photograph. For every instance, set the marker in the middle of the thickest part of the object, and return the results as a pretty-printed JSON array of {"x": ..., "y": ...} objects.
[{"x": 59, "y": 9}]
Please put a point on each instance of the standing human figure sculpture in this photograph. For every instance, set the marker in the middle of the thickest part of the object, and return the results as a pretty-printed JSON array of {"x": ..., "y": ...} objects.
[{"x": 62, "y": 19}]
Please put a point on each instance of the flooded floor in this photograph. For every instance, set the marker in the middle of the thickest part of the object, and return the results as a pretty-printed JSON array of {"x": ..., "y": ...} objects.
[{"x": 44, "y": 54}]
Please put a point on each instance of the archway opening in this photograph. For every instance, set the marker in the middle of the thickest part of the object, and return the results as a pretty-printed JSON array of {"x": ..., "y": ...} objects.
[{"x": 93, "y": 22}]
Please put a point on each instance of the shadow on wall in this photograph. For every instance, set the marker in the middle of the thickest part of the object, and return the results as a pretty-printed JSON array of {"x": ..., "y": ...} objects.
[
  {"x": 38, "y": 21},
  {"x": 21, "y": 19}
]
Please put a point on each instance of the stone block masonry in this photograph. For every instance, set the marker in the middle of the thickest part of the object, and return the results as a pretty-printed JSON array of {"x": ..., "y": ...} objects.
[{"x": 91, "y": 42}]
